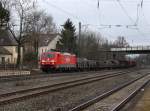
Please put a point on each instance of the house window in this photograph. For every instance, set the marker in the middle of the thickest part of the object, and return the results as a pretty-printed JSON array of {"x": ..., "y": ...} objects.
[
  {"x": 3, "y": 60},
  {"x": 16, "y": 49},
  {"x": 14, "y": 60},
  {"x": 8, "y": 60}
]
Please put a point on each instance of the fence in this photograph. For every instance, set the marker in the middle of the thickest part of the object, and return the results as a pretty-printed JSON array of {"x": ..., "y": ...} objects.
[
  {"x": 8, "y": 67},
  {"x": 11, "y": 69}
]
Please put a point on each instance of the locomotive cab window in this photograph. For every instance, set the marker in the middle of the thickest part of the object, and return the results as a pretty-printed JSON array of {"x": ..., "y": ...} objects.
[{"x": 50, "y": 55}]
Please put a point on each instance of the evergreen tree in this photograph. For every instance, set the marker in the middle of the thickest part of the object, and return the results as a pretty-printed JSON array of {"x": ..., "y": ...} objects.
[
  {"x": 68, "y": 38},
  {"x": 4, "y": 16}
]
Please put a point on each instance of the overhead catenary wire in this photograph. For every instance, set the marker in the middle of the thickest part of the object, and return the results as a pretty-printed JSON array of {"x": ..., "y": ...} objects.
[
  {"x": 99, "y": 12},
  {"x": 135, "y": 22},
  {"x": 130, "y": 18},
  {"x": 98, "y": 4},
  {"x": 145, "y": 19},
  {"x": 137, "y": 16},
  {"x": 102, "y": 26},
  {"x": 128, "y": 1},
  {"x": 124, "y": 10},
  {"x": 62, "y": 10},
  {"x": 117, "y": 25},
  {"x": 140, "y": 11},
  {"x": 68, "y": 13},
  {"x": 142, "y": 2}
]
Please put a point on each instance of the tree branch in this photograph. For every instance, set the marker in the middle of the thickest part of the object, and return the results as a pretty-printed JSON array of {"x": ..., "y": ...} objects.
[{"x": 13, "y": 34}]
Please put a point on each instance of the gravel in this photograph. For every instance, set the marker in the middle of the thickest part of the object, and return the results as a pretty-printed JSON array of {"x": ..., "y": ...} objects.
[
  {"x": 68, "y": 98},
  {"x": 25, "y": 84},
  {"x": 113, "y": 100},
  {"x": 141, "y": 102}
]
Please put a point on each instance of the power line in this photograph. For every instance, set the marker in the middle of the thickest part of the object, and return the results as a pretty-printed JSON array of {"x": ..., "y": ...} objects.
[
  {"x": 100, "y": 12},
  {"x": 98, "y": 4},
  {"x": 135, "y": 23},
  {"x": 129, "y": 1},
  {"x": 142, "y": 2},
  {"x": 106, "y": 26},
  {"x": 145, "y": 18},
  {"x": 130, "y": 18},
  {"x": 62, "y": 10},
  {"x": 124, "y": 10},
  {"x": 137, "y": 16}
]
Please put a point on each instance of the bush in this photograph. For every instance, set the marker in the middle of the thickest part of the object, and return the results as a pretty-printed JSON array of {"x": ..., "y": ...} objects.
[
  {"x": 30, "y": 57},
  {"x": 30, "y": 60}
]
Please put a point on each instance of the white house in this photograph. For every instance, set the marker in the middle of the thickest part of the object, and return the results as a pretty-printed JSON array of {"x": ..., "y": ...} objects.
[
  {"x": 5, "y": 56},
  {"x": 8, "y": 48},
  {"x": 48, "y": 42}
]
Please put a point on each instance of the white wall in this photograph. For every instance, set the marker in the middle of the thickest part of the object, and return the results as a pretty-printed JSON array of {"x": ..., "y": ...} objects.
[
  {"x": 13, "y": 50},
  {"x": 51, "y": 45}
]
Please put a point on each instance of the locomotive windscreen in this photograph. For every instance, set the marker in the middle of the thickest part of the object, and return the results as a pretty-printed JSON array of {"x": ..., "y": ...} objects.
[{"x": 48, "y": 55}]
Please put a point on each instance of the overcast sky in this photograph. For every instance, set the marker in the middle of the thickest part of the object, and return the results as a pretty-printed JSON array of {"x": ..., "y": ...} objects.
[{"x": 110, "y": 12}]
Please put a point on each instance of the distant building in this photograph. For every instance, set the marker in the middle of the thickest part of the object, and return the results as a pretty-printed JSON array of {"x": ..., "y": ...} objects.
[
  {"x": 48, "y": 42},
  {"x": 5, "y": 55},
  {"x": 45, "y": 42},
  {"x": 8, "y": 48}
]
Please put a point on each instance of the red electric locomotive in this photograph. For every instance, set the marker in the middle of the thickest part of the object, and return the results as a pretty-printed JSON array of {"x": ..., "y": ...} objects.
[{"x": 51, "y": 61}]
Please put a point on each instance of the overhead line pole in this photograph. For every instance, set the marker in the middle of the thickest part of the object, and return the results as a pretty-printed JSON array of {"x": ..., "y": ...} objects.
[{"x": 79, "y": 43}]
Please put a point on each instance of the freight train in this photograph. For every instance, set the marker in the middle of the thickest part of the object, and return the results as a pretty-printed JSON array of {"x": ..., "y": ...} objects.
[{"x": 58, "y": 61}]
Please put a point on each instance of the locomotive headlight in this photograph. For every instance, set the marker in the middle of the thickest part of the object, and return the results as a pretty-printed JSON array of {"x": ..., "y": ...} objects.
[
  {"x": 43, "y": 61},
  {"x": 52, "y": 61}
]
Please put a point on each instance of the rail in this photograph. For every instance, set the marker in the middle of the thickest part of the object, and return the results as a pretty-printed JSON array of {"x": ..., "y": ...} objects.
[
  {"x": 104, "y": 95},
  {"x": 32, "y": 92}
]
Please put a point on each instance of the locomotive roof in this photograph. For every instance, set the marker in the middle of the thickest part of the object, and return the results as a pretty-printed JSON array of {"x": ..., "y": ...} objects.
[{"x": 64, "y": 53}]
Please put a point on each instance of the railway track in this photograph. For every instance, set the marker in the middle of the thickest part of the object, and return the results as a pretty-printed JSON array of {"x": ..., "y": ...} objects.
[
  {"x": 37, "y": 91},
  {"x": 116, "y": 98},
  {"x": 34, "y": 76},
  {"x": 43, "y": 75}
]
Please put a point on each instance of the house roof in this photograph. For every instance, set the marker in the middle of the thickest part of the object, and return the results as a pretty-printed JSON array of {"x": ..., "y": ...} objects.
[
  {"x": 45, "y": 39},
  {"x": 6, "y": 38},
  {"x": 4, "y": 51}
]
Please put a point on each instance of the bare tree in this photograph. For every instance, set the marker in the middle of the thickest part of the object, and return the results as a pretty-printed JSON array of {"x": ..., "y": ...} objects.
[
  {"x": 94, "y": 46},
  {"x": 37, "y": 23},
  {"x": 22, "y": 8},
  {"x": 5, "y": 4},
  {"x": 121, "y": 42},
  {"x": 90, "y": 45}
]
